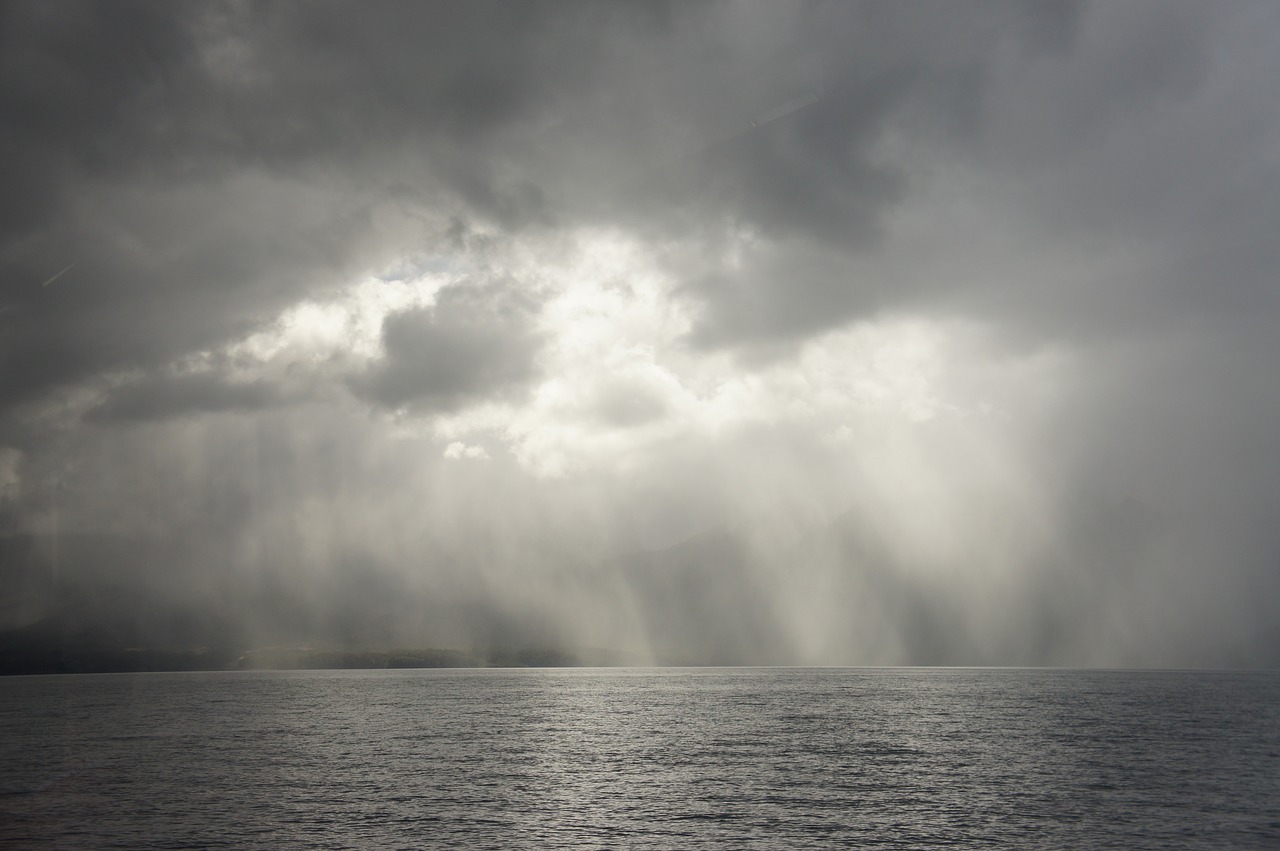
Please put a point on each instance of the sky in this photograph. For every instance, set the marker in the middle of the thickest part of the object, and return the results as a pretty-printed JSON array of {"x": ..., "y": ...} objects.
[{"x": 842, "y": 333}]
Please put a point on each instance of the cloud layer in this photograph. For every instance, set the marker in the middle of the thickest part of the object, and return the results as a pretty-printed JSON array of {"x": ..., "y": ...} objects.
[{"x": 815, "y": 332}]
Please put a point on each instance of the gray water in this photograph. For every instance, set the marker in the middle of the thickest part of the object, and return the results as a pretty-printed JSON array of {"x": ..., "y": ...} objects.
[{"x": 795, "y": 758}]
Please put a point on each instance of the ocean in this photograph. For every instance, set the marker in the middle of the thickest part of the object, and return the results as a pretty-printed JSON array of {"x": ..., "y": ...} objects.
[{"x": 642, "y": 758}]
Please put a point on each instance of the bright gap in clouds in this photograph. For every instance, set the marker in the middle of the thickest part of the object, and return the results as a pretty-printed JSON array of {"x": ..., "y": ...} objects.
[{"x": 617, "y": 382}]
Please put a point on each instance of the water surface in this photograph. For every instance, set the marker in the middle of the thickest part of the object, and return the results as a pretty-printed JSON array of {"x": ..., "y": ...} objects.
[{"x": 642, "y": 758}]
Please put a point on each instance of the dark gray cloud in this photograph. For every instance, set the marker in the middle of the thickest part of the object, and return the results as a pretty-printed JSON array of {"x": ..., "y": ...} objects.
[
  {"x": 475, "y": 342},
  {"x": 206, "y": 166},
  {"x": 133, "y": 132},
  {"x": 182, "y": 395},
  {"x": 783, "y": 295},
  {"x": 806, "y": 174}
]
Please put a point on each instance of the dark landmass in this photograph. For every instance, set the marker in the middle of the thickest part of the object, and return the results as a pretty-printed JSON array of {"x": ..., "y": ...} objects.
[
  {"x": 33, "y": 651},
  {"x": 303, "y": 658}
]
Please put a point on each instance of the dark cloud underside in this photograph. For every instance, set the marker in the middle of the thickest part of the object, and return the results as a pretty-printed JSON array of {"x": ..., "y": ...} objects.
[{"x": 474, "y": 343}]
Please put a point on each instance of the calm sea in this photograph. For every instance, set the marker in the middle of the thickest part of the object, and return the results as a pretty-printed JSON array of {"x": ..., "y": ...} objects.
[{"x": 642, "y": 758}]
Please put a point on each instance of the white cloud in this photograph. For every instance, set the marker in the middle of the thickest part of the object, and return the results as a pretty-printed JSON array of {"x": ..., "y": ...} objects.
[
  {"x": 621, "y": 386},
  {"x": 459, "y": 450}
]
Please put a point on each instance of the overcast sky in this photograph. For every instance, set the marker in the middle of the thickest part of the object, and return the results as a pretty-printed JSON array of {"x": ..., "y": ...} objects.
[{"x": 856, "y": 333}]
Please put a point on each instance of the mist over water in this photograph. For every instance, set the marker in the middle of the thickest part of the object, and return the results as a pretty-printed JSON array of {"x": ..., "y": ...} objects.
[{"x": 643, "y": 758}]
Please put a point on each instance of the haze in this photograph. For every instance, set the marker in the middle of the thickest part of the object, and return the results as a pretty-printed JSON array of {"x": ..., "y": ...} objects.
[{"x": 741, "y": 333}]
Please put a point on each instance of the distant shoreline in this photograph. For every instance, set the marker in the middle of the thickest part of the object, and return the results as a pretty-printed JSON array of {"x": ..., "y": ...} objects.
[{"x": 35, "y": 661}]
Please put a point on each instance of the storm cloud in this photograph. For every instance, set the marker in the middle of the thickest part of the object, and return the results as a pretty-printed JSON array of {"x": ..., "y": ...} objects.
[
  {"x": 734, "y": 332},
  {"x": 473, "y": 343}
]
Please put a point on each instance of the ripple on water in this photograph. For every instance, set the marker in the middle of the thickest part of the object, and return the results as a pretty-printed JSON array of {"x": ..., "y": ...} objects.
[{"x": 647, "y": 759}]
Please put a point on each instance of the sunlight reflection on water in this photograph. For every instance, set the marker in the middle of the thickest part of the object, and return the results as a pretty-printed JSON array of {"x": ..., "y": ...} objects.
[{"x": 642, "y": 758}]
